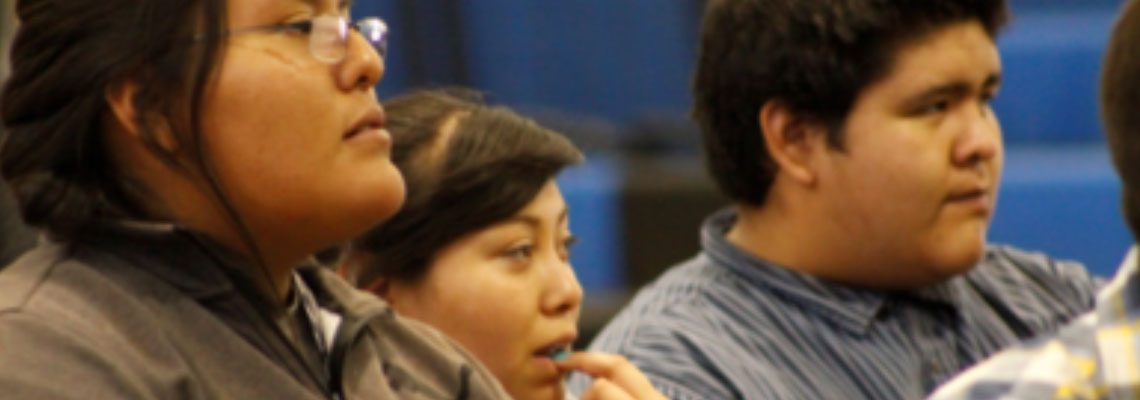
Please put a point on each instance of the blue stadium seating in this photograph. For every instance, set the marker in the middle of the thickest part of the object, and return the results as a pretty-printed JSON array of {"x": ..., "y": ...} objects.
[
  {"x": 615, "y": 59},
  {"x": 1051, "y": 62},
  {"x": 590, "y": 191},
  {"x": 1064, "y": 201}
]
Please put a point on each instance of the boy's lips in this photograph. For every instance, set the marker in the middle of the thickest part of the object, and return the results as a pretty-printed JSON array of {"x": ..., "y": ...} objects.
[{"x": 979, "y": 198}]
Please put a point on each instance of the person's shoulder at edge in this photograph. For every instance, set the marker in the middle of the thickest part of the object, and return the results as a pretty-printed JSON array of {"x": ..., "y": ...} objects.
[
  {"x": 53, "y": 344},
  {"x": 1065, "y": 362},
  {"x": 668, "y": 332},
  {"x": 43, "y": 358},
  {"x": 1042, "y": 368}
]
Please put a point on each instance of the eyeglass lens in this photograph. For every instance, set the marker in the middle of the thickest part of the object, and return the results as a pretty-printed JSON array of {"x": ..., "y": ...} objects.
[{"x": 329, "y": 36}]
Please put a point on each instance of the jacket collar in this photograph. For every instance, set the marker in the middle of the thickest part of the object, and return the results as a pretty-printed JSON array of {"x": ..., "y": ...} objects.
[{"x": 188, "y": 261}]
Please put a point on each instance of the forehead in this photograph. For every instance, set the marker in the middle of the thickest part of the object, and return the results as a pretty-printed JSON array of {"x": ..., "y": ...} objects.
[{"x": 961, "y": 52}]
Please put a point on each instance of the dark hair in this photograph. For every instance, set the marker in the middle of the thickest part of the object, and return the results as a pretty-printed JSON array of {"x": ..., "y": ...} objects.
[
  {"x": 493, "y": 164},
  {"x": 1119, "y": 98},
  {"x": 65, "y": 55},
  {"x": 815, "y": 56}
]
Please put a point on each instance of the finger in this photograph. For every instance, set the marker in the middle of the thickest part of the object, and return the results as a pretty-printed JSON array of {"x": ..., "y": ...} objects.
[
  {"x": 598, "y": 365},
  {"x": 613, "y": 368},
  {"x": 603, "y": 389}
]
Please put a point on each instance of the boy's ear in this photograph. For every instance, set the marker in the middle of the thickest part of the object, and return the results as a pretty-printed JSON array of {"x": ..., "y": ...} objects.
[
  {"x": 122, "y": 98},
  {"x": 792, "y": 140}
]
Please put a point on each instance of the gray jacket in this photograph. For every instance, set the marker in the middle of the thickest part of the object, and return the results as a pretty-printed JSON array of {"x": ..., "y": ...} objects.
[{"x": 162, "y": 314}]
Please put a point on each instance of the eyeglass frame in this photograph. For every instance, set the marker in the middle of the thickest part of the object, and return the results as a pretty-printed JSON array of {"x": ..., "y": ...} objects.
[{"x": 374, "y": 30}]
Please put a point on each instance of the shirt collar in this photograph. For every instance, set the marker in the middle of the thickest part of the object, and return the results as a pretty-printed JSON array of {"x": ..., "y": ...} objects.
[
  {"x": 1119, "y": 301},
  {"x": 179, "y": 255},
  {"x": 202, "y": 268},
  {"x": 849, "y": 307},
  {"x": 947, "y": 293}
]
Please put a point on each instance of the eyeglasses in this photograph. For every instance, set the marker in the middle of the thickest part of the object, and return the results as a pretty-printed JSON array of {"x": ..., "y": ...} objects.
[{"x": 328, "y": 35}]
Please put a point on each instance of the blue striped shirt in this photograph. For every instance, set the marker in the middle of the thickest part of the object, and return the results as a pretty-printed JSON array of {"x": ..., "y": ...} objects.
[{"x": 725, "y": 325}]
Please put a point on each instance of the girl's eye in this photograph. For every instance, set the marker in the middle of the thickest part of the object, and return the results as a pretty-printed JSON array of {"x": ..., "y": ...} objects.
[
  {"x": 987, "y": 100},
  {"x": 522, "y": 252},
  {"x": 567, "y": 246}
]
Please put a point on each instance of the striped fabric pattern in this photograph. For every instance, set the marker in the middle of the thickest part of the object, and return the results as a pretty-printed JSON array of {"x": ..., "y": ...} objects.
[
  {"x": 725, "y": 325},
  {"x": 1095, "y": 357}
]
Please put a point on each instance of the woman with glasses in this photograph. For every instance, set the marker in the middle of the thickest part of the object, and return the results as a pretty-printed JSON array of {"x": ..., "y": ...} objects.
[
  {"x": 184, "y": 159},
  {"x": 481, "y": 247}
]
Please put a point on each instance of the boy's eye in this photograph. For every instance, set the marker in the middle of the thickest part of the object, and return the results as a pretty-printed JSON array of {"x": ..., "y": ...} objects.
[{"x": 934, "y": 108}]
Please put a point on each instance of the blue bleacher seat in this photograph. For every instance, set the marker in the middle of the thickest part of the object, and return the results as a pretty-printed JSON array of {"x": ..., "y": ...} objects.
[
  {"x": 592, "y": 194},
  {"x": 615, "y": 59},
  {"x": 1051, "y": 65},
  {"x": 1065, "y": 201}
]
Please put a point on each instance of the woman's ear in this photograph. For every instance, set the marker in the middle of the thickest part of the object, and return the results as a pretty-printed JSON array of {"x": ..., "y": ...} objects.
[
  {"x": 792, "y": 140},
  {"x": 122, "y": 98}
]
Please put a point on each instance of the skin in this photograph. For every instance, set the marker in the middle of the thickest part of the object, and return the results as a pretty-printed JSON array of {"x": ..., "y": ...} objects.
[
  {"x": 908, "y": 200},
  {"x": 298, "y": 183}
]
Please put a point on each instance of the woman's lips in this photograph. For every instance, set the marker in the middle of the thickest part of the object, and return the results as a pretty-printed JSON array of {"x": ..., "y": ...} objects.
[{"x": 370, "y": 120}]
